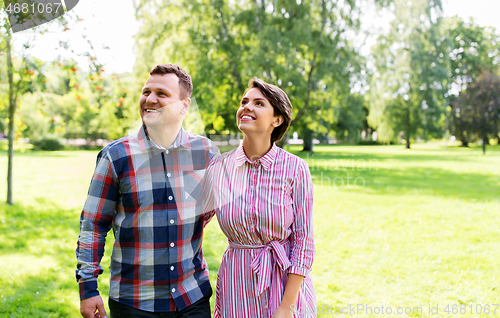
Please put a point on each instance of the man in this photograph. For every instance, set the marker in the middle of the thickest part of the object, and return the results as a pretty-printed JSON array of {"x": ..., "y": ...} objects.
[{"x": 147, "y": 187}]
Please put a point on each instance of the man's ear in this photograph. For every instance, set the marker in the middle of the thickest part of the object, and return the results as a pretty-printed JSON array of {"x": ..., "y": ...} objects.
[
  {"x": 278, "y": 121},
  {"x": 185, "y": 105}
]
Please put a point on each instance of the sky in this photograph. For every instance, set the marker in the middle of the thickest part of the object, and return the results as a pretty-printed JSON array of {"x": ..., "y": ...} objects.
[{"x": 111, "y": 25}]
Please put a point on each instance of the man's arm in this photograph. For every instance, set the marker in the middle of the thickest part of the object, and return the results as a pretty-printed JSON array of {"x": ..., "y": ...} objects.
[{"x": 95, "y": 222}]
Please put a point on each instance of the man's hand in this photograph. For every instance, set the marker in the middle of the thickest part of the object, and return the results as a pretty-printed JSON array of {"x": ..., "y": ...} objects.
[{"x": 93, "y": 307}]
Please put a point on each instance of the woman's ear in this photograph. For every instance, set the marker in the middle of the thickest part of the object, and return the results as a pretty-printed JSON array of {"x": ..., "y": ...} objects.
[{"x": 278, "y": 121}]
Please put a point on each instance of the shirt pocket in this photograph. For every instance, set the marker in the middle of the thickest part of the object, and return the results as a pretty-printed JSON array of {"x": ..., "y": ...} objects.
[
  {"x": 193, "y": 183},
  {"x": 142, "y": 189},
  {"x": 191, "y": 193}
]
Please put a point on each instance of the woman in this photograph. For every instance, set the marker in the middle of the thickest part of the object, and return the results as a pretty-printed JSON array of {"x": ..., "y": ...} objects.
[{"x": 263, "y": 199}]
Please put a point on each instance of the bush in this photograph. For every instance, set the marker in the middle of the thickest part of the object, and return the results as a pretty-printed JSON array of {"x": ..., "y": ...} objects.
[{"x": 47, "y": 144}]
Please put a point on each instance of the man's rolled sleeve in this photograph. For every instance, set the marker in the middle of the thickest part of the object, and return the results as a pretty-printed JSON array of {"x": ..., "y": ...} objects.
[{"x": 95, "y": 222}]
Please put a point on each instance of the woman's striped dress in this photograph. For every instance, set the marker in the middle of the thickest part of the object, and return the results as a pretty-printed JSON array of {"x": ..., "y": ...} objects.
[{"x": 265, "y": 210}]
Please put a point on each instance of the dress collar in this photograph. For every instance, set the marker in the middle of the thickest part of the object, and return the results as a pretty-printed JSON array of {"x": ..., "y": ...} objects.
[{"x": 266, "y": 161}]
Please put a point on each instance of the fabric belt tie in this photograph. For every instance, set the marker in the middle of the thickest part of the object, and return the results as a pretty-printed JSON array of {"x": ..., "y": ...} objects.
[{"x": 262, "y": 265}]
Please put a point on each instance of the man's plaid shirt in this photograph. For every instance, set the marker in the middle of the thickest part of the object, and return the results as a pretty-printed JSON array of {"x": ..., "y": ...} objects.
[{"x": 150, "y": 196}]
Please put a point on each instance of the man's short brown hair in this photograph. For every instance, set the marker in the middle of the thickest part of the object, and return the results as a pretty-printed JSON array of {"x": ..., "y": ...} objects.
[
  {"x": 280, "y": 102},
  {"x": 185, "y": 82}
]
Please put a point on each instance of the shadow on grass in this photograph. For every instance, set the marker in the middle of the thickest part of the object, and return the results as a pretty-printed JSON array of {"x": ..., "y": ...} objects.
[
  {"x": 37, "y": 252},
  {"x": 419, "y": 155}
]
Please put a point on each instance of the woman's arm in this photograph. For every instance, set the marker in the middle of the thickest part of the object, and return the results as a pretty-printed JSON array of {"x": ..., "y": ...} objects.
[
  {"x": 302, "y": 237},
  {"x": 289, "y": 297},
  {"x": 301, "y": 240}
]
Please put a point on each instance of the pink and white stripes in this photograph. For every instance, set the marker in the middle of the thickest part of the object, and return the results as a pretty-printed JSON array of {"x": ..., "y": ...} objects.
[{"x": 265, "y": 210}]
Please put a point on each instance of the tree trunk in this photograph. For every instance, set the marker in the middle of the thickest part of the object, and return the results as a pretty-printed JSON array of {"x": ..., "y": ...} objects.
[
  {"x": 308, "y": 140},
  {"x": 485, "y": 142},
  {"x": 12, "y": 111},
  {"x": 407, "y": 132},
  {"x": 460, "y": 134},
  {"x": 495, "y": 126}
]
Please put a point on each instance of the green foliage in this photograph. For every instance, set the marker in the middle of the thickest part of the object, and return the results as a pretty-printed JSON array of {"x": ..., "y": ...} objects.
[
  {"x": 48, "y": 143},
  {"x": 472, "y": 50},
  {"x": 350, "y": 119},
  {"x": 407, "y": 89},
  {"x": 76, "y": 104},
  {"x": 298, "y": 45},
  {"x": 420, "y": 63},
  {"x": 476, "y": 112}
]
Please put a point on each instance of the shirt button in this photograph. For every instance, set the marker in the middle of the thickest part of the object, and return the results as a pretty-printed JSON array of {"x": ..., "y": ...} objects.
[
  {"x": 251, "y": 187},
  {"x": 168, "y": 174},
  {"x": 172, "y": 244},
  {"x": 172, "y": 268},
  {"x": 170, "y": 197},
  {"x": 172, "y": 221},
  {"x": 166, "y": 151},
  {"x": 173, "y": 290}
]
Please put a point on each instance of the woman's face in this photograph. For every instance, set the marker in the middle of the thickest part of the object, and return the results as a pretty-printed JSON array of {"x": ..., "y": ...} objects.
[{"x": 256, "y": 115}]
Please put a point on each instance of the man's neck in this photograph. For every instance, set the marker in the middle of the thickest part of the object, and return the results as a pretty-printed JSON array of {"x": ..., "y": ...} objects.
[{"x": 164, "y": 136}]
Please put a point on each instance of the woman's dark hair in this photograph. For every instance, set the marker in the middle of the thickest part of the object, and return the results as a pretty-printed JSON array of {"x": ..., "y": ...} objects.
[
  {"x": 185, "y": 82},
  {"x": 280, "y": 102}
]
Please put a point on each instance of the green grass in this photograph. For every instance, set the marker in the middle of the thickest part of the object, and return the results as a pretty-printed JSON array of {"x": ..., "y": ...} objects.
[{"x": 412, "y": 228}]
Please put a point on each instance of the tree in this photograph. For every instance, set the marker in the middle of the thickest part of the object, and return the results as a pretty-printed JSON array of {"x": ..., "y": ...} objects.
[
  {"x": 16, "y": 86},
  {"x": 472, "y": 50},
  {"x": 12, "y": 109},
  {"x": 478, "y": 108},
  {"x": 300, "y": 46},
  {"x": 24, "y": 74},
  {"x": 407, "y": 88},
  {"x": 352, "y": 114}
]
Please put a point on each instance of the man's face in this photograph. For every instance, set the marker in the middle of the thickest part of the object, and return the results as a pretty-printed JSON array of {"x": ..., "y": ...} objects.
[{"x": 160, "y": 102}]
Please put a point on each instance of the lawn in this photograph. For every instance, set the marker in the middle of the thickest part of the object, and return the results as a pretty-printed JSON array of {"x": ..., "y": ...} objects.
[{"x": 413, "y": 229}]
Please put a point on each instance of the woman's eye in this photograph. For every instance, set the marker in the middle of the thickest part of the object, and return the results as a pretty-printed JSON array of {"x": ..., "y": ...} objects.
[{"x": 259, "y": 103}]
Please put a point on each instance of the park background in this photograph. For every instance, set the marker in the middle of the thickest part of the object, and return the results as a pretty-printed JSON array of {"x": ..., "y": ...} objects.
[{"x": 396, "y": 111}]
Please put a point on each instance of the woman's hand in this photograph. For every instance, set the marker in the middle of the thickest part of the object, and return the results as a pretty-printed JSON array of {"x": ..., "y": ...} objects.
[
  {"x": 289, "y": 300},
  {"x": 283, "y": 312}
]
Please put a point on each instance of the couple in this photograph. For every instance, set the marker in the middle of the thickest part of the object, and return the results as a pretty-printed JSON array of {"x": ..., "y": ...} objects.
[{"x": 148, "y": 187}]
